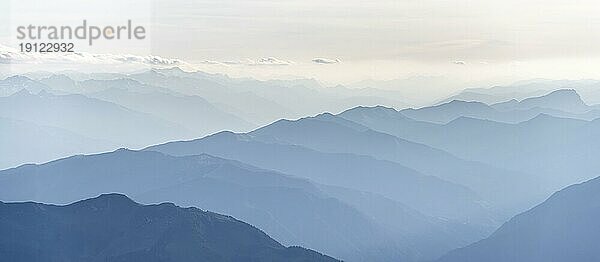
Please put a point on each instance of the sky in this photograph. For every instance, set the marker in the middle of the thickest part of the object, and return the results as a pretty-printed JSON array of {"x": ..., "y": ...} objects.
[{"x": 344, "y": 41}]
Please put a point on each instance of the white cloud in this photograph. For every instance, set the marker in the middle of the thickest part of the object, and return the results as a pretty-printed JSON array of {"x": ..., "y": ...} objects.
[
  {"x": 266, "y": 61},
  {"x": 13, "y": 56},
  {"x": 459, "y": 62},
  {"x": 210, "y": 62},
  {"x": 326, "y": 61}
]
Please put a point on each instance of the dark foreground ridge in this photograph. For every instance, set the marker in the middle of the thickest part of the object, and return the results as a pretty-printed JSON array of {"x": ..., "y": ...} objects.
[{"x": 112, "y": 227}]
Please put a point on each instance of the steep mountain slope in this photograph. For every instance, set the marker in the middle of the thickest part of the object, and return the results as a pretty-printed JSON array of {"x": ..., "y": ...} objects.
[
  {"x": 292, "y": 211},
  {"x": 563, "y": 228},
  {"x": 112, "y": 227},
  {"x": 429, "y": 236}
]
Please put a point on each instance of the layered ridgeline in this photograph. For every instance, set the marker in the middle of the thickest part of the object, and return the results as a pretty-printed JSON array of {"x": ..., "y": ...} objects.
[
  {"x": 427, "y": 194},
  {"x": 155, "y": 106},
  {"x": 332, "y": 134},
  {"x": 563, "y": 228},
  {"x": 521, "y": 90},
  {"x": 553, "y": 151},
  {"x": 560, "y": 103},
  {"x": 112, "y": 227},
  {"x": 368, "y": 184},
  {"x": 42, "y": 127},
  {"x": 25, "y": 141},
  {"x": 344, "y": 223},
  {"x": 89, "y": 117}
]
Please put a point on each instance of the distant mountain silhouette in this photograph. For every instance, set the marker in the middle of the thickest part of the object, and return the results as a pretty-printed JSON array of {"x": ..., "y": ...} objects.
[
  {"x": 112, "y": 227},
  {"x": 566, "y": 100},
  {"x": 416, "y": 90},
  {"x": 564, "y": 228},
  {"x": 555, "y": 151},
  {"x": 414, "y": 194},
  {"x": 334, "y": 134},
  {"x": 231, "y": 100},
  {"x": 449, "y": 111},
  {"x": 427, "y": 194},
  {"x": 588, "y": 88},
  {"x": 291, "y": 210},
  {"x": 14, "y": 84},
  {"x": 302, "y": 96},
  {"x": 192, "y": 112},
  {"x": 474, "y": 96},
  {"x": 467, "y": 138},
  {"x": 90, "y": 117},
  {"x": 25, "y": 142},
  {"x": 560, "y": 103},
  {"x": 62, "y": 83}
]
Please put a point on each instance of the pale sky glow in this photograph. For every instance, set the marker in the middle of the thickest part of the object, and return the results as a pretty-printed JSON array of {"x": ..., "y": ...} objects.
[{"x": 466, "y": 40}]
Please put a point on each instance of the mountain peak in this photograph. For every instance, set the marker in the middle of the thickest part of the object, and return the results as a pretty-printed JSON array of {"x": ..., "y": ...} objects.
[
  {"x": 565, "y": 91},
  {"x": 106, "y": 201},
  {"x": 463, "y": 103},
  {"x": 18, "y": 78},
  {"x": 324, "y": 116},
  {"x": 543, "y": 118},
  {"x": 60, "y": 77},
  {"x": 564, "y": 94},
  {"x": 110, "y": 226},
  {"x": 22, "y": 93},
  {"x": 378, "y": 108},
  {"x": 112, "y": 197},
  {"x": 539, "y": 118},
  {"x": 563, "y": 99}
]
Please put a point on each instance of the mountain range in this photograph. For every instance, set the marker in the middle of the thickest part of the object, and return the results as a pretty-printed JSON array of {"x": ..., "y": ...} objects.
[
  {"x": 88, "y": 117},
  {"x": 291, "y": 210},
  {"x": 427, "y": 194},
  {"x": 553, "y": 151},
  {"x": 334, "y": 134},
  {"x": 520, "y": 90},
  {"x": 459, "y": 180},
  {"x": 111, "y": 227},
  {"x": 560, "y": 103},
  {"x": 173, "y": 103}
]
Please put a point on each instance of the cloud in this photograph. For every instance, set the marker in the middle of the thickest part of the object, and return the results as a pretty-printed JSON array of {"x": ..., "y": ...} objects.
[
  {"x": 12, "y": 56},
  {"x": 266, "y": 61},
  {"x": 272, "y": 61},
  {"x": 459, "y": 62},
  {"x": 210, "y": 62},
  {"x": 326, "y": 61}
]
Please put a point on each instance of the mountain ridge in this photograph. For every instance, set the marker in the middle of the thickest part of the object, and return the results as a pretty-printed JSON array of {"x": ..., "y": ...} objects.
[{"x": 111, "y": 227}]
